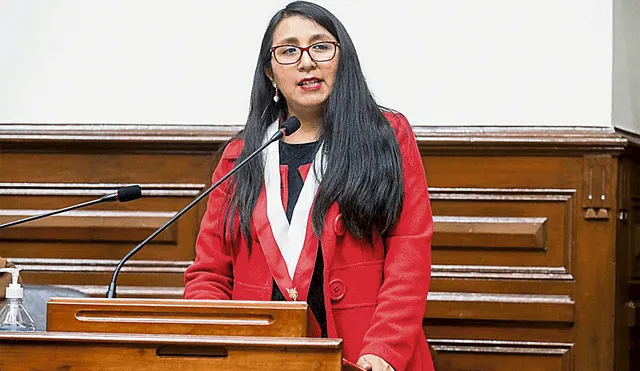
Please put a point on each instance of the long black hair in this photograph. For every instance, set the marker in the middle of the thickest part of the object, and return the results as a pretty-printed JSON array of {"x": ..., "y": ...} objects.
[{"x": 363, "y": 165}]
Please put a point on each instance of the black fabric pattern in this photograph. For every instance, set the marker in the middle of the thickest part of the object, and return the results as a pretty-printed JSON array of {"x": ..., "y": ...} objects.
[{"x": 294, "y": 156}]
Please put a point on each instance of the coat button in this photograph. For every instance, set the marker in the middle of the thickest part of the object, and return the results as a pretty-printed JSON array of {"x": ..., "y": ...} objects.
[
  {"x": 337, "y": 289},
  {"x": 338, "y": 226}
]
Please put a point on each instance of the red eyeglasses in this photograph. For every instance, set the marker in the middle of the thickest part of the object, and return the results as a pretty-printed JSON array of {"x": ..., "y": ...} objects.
[{"x": 322, "y": 51}]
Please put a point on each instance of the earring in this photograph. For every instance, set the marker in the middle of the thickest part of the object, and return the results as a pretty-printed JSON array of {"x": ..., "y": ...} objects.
[{"x": 276, "y": 97}]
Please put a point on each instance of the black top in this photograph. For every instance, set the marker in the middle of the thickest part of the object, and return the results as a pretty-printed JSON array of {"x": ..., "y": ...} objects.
[{"x": 294, "y": 156}]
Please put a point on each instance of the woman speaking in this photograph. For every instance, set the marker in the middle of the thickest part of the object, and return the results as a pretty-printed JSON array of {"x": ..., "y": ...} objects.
[{"x": 336, "y": 214}]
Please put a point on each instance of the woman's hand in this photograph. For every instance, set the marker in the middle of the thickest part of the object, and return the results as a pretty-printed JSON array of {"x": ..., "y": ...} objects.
[{"x": 374, "y": 363}]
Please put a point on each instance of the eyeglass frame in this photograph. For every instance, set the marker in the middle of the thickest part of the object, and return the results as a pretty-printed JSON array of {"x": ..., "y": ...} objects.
[{"x": 305, "y": 49}]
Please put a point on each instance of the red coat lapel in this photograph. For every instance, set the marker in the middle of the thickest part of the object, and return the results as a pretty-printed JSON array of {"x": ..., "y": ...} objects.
[
  {"x": 304, "y": 270},
  {"x": 306, "y": 264},
  {"x": 270, "y": 249}
]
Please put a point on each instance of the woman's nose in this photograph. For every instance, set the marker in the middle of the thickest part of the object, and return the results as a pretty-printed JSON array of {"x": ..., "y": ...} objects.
[{"x": 306, "y": 62}]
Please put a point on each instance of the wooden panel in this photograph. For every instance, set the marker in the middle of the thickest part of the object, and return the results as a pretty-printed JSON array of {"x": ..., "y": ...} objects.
[
  {"x": 106, "y": 167},
  {"x": 628, "y": 256},
  {"x": 535, "y": 255},
  {"x": 470, "y": 141},
  {"x": 503, "y": 355},
  {"x": 518, "y": 140},
  {"x": 467, "y": 307},
  {"x": 80, "y": 249},
  {"x": 133, "y": 290},
  {"x": 503, "y": 172},
  {"x": 91, "y": 233},
  {"x": 481, "y": 232},
  {"x": 82, "y": 351},
  {"x": 92, "y": 226},
  {"x": 180, "y": 317},
  {"x": 503, "y": 233},
  {"x": 138, "y": 278},
  {"x": 598, "y": 189},
  {"x": 595, "y": 286}
]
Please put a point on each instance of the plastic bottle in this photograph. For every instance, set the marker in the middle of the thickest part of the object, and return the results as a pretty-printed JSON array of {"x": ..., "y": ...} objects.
[{"x": 14, "y": 316}]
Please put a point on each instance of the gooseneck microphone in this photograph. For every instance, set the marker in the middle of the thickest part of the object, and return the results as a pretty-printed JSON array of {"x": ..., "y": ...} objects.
[
  {"x": 287, "y": 128},
  {"x": 125, "y": 194}
]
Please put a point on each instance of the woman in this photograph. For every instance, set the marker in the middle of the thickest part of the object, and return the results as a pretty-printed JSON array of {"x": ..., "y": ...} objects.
[{"x": 336, "y": 214}]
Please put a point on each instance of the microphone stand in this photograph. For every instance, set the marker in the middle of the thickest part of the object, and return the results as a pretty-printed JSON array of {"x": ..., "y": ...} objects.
[
  {"x": 111, "y": 292},
  {"x": 127, "y": 193},
  {"x": 40, "y": 216}
]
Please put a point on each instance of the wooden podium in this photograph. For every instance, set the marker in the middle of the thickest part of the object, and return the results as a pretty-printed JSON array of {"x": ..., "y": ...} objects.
[
  {"x": 157, "y": 334},
  {"x": 180, "y": 317}
]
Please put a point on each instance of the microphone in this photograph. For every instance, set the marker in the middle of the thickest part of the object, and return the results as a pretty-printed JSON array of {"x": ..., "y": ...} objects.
[
  {"x": 287, "y": 128},
  {"x": 124, "y": 194}
]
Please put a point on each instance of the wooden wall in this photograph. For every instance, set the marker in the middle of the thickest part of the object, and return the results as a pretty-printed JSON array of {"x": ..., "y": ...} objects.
[{"x": 536, "y": 256}]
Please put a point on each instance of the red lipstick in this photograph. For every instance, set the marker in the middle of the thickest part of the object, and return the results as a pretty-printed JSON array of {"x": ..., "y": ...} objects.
[{"x": 310, "y": 84}]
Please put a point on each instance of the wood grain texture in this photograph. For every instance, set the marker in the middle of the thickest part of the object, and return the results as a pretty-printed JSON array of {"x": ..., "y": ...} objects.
[
  {"x": 478, "y": 232},
  {"x": 524, "y": 308},
  {"x": 90, "y": 351},
  {"x": 503, "y": 355},
  {"x": 432, "y": 139},
  {"x": 532, "y": 268},
  {"x": 95, "y": 226},
  {"x": 181, "y": 317}
]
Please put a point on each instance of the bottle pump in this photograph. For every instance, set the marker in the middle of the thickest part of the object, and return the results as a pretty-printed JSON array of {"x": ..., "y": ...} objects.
[{"x": 14, "y": 316}]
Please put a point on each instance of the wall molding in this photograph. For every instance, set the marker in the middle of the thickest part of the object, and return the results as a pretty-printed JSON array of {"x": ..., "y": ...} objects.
[
  {"x": 533, "y": 231},
  {"x": 130, "y": 291},
  {"x": 46, "y": 265},
  {"x": 465, "y": 307},
  {"x": 207, "y": 137},
  {"x": 98, "y": 189},
  {"x": 485, "y": 272},
  {"x": 500, "y": 346},
  {"x": 501, "y": 194}
]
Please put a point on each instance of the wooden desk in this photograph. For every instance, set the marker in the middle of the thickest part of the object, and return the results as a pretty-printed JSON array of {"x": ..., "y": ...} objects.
[
  {"x": 178, "y": 316},
  {"x": 57, "y": 351}
]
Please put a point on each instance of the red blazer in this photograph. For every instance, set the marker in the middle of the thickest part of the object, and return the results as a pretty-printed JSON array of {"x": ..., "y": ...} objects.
[{"x": 375, "y": 298}]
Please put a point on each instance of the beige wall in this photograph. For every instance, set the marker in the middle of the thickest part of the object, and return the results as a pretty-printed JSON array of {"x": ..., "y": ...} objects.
[
  {"x": 441, "y": 62},
  {"x": 626, "y": 65}
]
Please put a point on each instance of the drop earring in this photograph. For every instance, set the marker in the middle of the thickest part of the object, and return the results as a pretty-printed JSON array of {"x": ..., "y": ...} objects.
[{"x": 276, "y": 97}]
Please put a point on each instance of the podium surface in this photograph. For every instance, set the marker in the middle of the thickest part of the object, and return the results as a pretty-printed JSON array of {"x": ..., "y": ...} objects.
[
  {"x": 175, "y": 316},
  {"x": 45, "y": 351},
  {"x": 172, "y": 334}
]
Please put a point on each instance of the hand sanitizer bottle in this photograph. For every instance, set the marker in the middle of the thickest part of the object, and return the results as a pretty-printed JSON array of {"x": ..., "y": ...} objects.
[{"x": 14, "y": 316}]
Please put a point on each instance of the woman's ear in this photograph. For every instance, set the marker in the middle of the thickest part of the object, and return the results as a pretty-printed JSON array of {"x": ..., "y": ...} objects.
[{"x": 269, "y": 73}]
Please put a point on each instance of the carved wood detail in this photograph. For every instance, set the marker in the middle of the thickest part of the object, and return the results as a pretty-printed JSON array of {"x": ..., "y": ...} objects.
[
  {"x": 100, "y": 265},
  {"x": 464, "y": 307},
  {"x": 598, "y": 192},
  {"x": 500, "y": 272},
  {"x": 481, "y": 232},
  {"x": 207, "y": 137},
  {"x": 128, "y": 291},
  {"x": 513, "y": 235},
  {"x": 492, "y": 355},
  {"x": 633, "y": 220},
  {"x": 147, "y": 278},
  {"x": 97, "y": 189},
  {"x": 501, "y": 194},
  {"x": 101, "y": 225},
  {"x": 495, "y": 346}
]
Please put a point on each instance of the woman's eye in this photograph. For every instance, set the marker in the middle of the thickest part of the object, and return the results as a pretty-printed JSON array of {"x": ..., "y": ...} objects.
[
  {"x": 290, "y": 50},
  {"x": 321, "y": 47}
]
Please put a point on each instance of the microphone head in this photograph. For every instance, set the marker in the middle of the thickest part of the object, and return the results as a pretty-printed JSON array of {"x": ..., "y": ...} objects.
[
  {"x": 290, "y": 125},
  {"x": 129, "y": 193}
]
